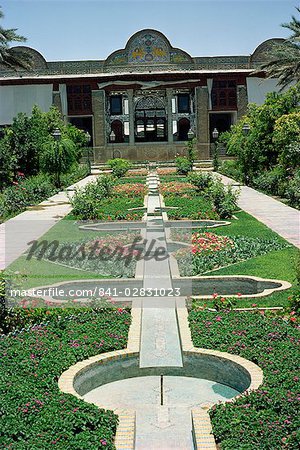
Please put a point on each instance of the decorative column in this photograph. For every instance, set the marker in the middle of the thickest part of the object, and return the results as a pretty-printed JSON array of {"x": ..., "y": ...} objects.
[
  {"x": 131, "y": 116},
  {"x": 98, "y": 105},
  {"x": 64, "y": 101},
  {"x": 56, "y": 101},
  {"x": 242, "y": 101},
  {"x": 169, "y": 92},
  {"x": 202, "y": 121}
]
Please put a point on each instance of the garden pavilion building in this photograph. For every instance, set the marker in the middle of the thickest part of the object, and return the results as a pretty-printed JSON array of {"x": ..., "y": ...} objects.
[{"x": 143, "y": 100}]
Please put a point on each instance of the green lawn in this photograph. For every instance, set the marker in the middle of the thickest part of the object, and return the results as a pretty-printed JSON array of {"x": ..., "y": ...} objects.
[
  {"x": 44, "y": 272},
  {"x": 280, "y": 264}
]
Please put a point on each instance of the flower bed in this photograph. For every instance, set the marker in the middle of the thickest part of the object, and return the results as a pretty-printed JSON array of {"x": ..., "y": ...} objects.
[
  {"x": 35, "y": 414},
  {"x": 268, "y": 418},
  {"x": 96, "y": 201},
  {"x": 129, "y": 190},
  {"x": 203, "y": 243},
  {"x": 131, "y": 180},
  {"x": 174, "y": 188},
  {"x": 166, "y": 171},
  {"x": 110, "y": 256},
  {"x": 137, "y": 173},
  {"x": 210, "y": 251}
]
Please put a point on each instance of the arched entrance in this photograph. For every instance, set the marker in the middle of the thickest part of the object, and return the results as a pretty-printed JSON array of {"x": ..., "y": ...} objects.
[
  {"x": 117, "y": 128},
  {"x": 183, "y": 128},
  {"x": 150, "y": 120}
]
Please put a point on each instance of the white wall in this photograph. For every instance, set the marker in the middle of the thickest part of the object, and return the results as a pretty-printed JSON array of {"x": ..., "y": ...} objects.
[
  {"x": 258, "y": 88},
  {"x": 15, "y": 99}
]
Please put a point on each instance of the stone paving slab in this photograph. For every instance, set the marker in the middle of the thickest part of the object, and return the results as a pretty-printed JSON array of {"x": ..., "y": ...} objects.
[
  {"x": 281, "y": 218},
  {"x": 160, "y": 343},
  {"x": 33, "y": 223}
]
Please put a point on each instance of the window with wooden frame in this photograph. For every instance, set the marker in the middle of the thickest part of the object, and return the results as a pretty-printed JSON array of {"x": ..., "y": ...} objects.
[
  {"x": 116, "y": 108},
  {"x": 183, "y": 101},
  {"x": 79, "y": 99},
  {"x": 224, "y": 95}
]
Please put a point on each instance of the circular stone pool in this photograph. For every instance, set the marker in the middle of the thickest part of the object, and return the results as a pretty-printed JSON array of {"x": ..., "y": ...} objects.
[
  {"x": 164, "y": 399},
  {"x": 162, "y": 407},
  {"x": 151, "y": 391}
]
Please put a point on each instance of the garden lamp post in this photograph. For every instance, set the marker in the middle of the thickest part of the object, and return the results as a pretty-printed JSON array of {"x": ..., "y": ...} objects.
[
  {"x": 215, "y": 135},
  {"x": 112, "y": 138},
  {"x": 57, "y": 137},
  {"x": 246, "y": 131},
  {"x": 88, "y": 140},
  {"x": 190, "y": 134},
  {"x": 190, "y": 148}
]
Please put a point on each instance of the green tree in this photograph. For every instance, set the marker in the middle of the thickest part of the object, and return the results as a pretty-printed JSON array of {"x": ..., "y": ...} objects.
[
  {"x": 8, "y": 164},
  {"x": 284, "y": 61},
  {"x": 191, "y": 153},
  {"x": 57, "y": 158},
  {"x": 12, "y": 57},
  {"x": 119, "y": 166},
  {"x": 256, "y": 151},
  {"x": 26, "y": 139},
  {"x": 286, "y": 138}
]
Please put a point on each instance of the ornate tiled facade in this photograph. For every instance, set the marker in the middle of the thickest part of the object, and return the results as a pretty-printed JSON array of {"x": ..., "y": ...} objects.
[{"x": 141, "y": 102}]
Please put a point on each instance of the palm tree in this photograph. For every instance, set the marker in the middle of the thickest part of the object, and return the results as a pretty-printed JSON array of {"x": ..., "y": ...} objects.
[
  {"x": 284, "y": 61},
  {"x": 13, "y": 58}
]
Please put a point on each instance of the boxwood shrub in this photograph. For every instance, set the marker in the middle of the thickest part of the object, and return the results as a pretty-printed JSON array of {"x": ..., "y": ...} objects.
[
  {"x": 34, "y": 413},
  {"x": 268, "y": 418}
]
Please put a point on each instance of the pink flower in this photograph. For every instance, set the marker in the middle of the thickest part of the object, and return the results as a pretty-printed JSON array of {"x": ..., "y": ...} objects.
[{"x": 218, "y": 318}]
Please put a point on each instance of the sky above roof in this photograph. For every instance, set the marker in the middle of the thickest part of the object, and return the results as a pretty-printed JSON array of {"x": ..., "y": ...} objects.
[{"x": 92, "y": 29}]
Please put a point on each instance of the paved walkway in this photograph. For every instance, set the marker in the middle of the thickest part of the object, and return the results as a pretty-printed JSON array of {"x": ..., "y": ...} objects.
[
  {"x": 33, "y": 223},
  {"x": 160, "y": 344},
  {"x": 281, "y": 218}
]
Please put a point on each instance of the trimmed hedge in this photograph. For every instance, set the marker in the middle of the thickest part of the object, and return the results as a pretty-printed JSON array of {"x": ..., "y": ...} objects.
[
  {"x": 31, "y": 191},
  {"x": 35, "y": 414},
  {"x": 269, "y": 418}
]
